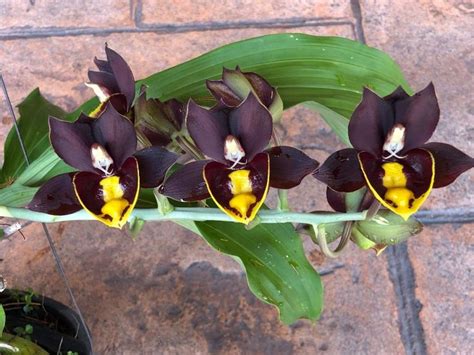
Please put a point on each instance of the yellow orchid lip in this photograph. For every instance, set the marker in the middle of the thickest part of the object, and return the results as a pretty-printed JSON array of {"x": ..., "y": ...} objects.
[
  {"x": 109, "y": 199},
  {"x": 239, "y": 193},
  {"x": 402, "y": 185}
]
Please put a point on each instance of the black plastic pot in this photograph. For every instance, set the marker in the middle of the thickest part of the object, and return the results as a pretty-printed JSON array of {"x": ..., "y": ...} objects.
[{"x": 56, "y": 327}]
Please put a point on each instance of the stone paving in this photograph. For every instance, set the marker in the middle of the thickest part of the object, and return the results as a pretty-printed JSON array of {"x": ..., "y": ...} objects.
[{"x": 168, "y": 291}]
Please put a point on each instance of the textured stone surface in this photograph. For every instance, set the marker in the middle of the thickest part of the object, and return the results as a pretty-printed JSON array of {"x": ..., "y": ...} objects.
[
  {"x": 177, "y": 295},
  {"x": 304, "y": 129},
  {"x": 443, "y": 261},
  {"x": 430, "y": 42},
  {"x": 28, "y": 15},
  {"x": 204, "y": 11}
]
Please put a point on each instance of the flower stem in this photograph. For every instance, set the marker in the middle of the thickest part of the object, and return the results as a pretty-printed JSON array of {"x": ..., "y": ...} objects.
[
  {"x": 189, "y": 213},
  {"x": 320, "y": 233},
  {"x": 283, "y": 200}
]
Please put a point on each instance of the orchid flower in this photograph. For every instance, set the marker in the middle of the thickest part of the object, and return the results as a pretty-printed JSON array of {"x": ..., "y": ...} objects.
[
  {"x": 240, "y": 169},
  {"x": 390, "y": 153},
  {"x": 110, "y": 174}
]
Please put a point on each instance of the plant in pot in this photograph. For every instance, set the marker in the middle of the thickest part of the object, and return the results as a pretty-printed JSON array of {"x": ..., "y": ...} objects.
[
  {"x": 196, "y": 145},
  {"x": 34, "y": 324}
]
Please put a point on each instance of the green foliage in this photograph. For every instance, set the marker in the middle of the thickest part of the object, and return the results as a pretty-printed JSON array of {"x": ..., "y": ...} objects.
[
  {"x": 24, "y": 332},
  {"x": 277, "y": 269},
  {"x": 33, "y": 125},
  {"x": 2, "y": 320},
  {"x": 26, "y": 298},
  {"x": 329, "y": 70},
  {"x": 12, "y": 344}
]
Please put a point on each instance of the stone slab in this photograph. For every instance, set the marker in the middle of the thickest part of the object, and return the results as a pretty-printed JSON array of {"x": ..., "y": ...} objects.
[
  {"x": 443, "y": 260},
  {"x": 169, "y": 292},
  {"x": 31, "y": 15},
  {"x": 206, "y": 11}
]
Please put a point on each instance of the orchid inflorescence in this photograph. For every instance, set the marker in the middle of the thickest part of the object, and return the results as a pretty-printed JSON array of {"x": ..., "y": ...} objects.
[{"x": 229, "y": 153}]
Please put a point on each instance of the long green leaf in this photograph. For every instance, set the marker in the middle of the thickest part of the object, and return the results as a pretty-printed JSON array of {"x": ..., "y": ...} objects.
[
  {"x": 328, "y": 70},
  {"x": 16, "y": 195},
  {"x": 33, "y": 125},
  {"x": 277, "y": 269},
  {"x": 2, "y": 320},
  {"x": 45, "y": 167}
]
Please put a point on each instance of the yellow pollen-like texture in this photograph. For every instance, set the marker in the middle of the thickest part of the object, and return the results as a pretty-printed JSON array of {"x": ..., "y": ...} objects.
[
  {"x": 401, "y": 200},
  {"x": 111, "y": 188},
  {"x": 115, "y": 205},
  {"x": 394, "y": 176},
  {"x": 241, "y": 188}
]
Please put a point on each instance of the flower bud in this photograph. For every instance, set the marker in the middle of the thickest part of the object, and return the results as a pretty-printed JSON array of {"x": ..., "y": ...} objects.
[
  {"x": 388, "y": 228},
  {"x": 156, "y": 122},
  {"x": 235, "y": 86},
  {"x": 364, "y": 243}
]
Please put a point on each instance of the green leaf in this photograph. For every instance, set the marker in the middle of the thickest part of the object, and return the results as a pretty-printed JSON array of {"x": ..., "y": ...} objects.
[
  {"x": 33, "y": 125},
  {"x": 19, "y": 345},
  {"x": 2, "y": 320},
  {"x": 329, "y": 70},
  {"x": 277, "y": 269},
  {"x": 42, "y": 169},
  {"x": 16, "y": 195},
  {"x": 28, "y": 329}
]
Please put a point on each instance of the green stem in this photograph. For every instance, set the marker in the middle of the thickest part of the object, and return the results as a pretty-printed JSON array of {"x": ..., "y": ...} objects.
[
  {"x": 283, "y": 200},
  {"x": 323, "y": 244},
  {"x": 189, "y": 213}
]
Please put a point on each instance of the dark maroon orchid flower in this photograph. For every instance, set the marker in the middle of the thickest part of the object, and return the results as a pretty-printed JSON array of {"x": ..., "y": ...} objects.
[
  {"x": 235, "y": 86},
  {"x": 113, "y": 82},
  {"x": 240, "y": 170},
  {"x": 390, "y": 155},
  {"x": 111, "y": 172}
]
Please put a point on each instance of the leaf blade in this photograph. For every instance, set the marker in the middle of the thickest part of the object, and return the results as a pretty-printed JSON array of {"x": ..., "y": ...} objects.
[{"x": 277, "y": 270}]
